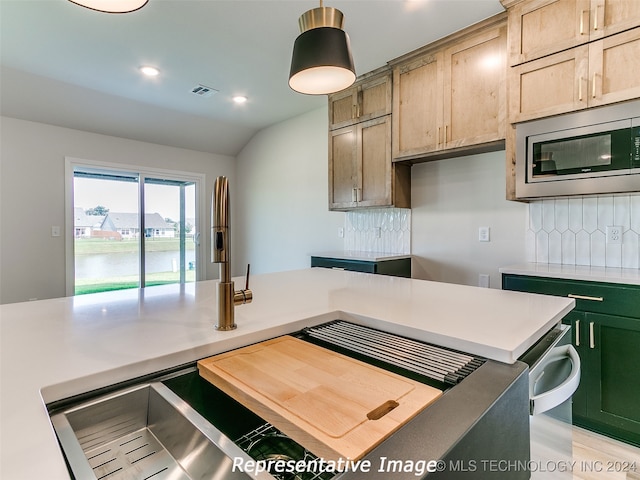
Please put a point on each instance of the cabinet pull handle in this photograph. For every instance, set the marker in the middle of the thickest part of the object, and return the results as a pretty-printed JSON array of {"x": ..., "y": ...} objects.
[
  {"x": 595, "y": 18},
  {"x": 354, "y": 195},
  {"x": 592, "y": 340},
  {"x": 445, "y": 134},
  {"x": 593, "y": 86},
  {"x": 358, "y": 194},
  {"x": 585, "y": 297},
  {"x": 577, "y": 333},
  {"x": 580, "y": 89},
  {"x": 582, "y": 22}
]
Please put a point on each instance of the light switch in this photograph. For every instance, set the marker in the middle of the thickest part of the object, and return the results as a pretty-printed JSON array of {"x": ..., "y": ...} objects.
[
  {"x": 483, "y": 234},
  {"x": 55, "y": 231}
]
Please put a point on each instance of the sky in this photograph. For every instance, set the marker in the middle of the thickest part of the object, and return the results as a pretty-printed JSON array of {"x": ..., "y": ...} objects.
[{"x": 122, "y": 197}]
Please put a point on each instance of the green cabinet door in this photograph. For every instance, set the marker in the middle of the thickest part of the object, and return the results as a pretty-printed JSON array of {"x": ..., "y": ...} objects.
[{"x": 613, "y": 382}]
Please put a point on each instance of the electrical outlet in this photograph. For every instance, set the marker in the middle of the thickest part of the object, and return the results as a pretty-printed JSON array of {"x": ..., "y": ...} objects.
[
  {"x": 484, "y": 234},
  {"x": 483, "y": 280},
  {"x": 55, "y": 231},
  {"x": 614, "y": 234}
]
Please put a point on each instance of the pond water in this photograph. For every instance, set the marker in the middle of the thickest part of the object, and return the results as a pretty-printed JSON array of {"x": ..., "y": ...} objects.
[{"x": 121, "y": 264}]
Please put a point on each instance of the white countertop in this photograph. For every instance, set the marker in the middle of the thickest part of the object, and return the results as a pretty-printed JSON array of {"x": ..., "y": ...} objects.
[
  {"x": 629, "y": 276},
  {"x": 52, "y": 349},
  {"x": 361, "y": 256}
]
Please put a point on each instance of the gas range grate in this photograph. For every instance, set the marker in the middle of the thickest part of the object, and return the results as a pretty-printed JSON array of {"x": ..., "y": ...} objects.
[{"x": 437, "y": 363}]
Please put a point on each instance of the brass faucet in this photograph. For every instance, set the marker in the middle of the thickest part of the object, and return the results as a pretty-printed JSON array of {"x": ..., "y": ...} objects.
[{"x": 228, "y": 298}]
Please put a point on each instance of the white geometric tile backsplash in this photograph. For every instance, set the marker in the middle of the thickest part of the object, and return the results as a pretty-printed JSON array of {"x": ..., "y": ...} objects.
[
  {"x": 572, "y": 231},
  {"x": 383, "y": 230}
]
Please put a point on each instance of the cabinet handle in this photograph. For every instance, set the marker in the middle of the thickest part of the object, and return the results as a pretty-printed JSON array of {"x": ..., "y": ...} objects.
[
  {"x": 580, "y": 89},
  {"x": 595, "y": 18},
  {"x": 585, "y": 297},
  {"x": 592, "y": 340},
  {"x": 582, "y": 21},
  {"x": 354, "y": 195},
  {"x": 438, "y": 137},
  {"x": 593, "y": 86},
  {"x": 358, "y": 194},
  {"x": 577, "y": 333},
  {"x": 445, "y": 134}
]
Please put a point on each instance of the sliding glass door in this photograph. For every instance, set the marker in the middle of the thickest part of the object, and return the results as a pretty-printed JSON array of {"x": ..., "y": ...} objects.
[
  {"x": 169, "y": 229},
  {"x": 132, "y": 229}
]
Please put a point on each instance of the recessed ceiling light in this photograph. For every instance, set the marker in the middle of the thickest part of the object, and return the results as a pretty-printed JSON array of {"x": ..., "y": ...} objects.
[
  {"x": 150, "y": 71},
  {"x": 240, "y": 99}
]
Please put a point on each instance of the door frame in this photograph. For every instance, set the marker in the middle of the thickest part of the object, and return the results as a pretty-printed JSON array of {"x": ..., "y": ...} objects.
[{"x": 71, "y": 163}]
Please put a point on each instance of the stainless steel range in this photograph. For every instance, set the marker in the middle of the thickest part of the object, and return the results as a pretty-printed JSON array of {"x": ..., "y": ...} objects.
[{"x": 178, "y": 425}]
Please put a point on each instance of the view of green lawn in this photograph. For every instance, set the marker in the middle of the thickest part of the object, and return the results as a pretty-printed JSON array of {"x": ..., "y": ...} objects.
[{"x": 89, "y": 246}]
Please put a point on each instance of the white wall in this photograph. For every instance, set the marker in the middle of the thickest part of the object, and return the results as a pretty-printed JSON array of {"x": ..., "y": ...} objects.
[
  {"x": 282, "y": 212},
  {"x": 32, "y": 160},
  {"x": 450, "y": 199}
]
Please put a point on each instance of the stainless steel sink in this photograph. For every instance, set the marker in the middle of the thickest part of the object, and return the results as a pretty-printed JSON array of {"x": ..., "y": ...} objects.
[{"x": 145, "y": 432}]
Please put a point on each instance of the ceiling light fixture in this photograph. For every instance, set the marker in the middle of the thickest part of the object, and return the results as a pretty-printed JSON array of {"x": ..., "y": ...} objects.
[
  {"x": 112, "y": 6},
  {"x": 321, "y": 61},
  {"x": 150, "y": 71},
  {"x": 240, "y": 99}
]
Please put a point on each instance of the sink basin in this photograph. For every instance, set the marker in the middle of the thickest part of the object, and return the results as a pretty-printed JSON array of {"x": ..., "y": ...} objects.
[{"x": 145, "y": 432}]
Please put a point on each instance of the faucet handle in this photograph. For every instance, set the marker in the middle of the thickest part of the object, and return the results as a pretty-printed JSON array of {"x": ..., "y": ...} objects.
[{"x": 241, "y": 297}]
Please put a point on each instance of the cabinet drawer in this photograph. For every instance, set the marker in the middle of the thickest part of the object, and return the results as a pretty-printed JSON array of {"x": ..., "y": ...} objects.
[{"x": 611, "y": 298}]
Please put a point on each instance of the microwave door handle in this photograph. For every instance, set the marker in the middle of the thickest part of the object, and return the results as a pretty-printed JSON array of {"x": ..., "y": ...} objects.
[{"x": 552, "y": 398}]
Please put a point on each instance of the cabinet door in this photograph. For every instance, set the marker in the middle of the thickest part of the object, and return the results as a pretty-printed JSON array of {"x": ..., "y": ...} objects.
[
  {"x": 541, "y": 27},
  {"x": 343, "y": 170},
  {"x": 343, "y": 108},
  {"x": 375, "y": 163},
  {"x": 613, "y": 16},
  {"x": 613, "y": 65},
  {"x": 475, "y": 89},
  {"x": 417, "y": 106},
  {"x": 374, "y": 98},
  {"x": 614, "y": 386},
  {"x": 550, "y": 85}
]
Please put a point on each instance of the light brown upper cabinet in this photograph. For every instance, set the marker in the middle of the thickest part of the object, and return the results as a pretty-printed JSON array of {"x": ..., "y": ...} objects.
[
  {"x": 589, "y": 75},
  {"x": 451, "y": 97},
  {"x": 360, "y": 170},
  {"x": 538, "y": 28},
  {"x": 367, "y": 99}
]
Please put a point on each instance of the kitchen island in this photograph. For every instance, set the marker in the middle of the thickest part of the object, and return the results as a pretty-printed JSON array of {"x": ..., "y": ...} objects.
[{"x": 54, "y": 349}]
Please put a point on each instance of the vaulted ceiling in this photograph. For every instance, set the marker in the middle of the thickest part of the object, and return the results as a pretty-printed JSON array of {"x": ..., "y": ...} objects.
[{"x": 73, "y": 67}]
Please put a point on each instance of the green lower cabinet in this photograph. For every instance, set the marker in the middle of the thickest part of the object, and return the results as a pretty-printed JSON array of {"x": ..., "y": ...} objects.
[
  {"x": 611, "y": 375},
  {"x": 606, "y": 334}
]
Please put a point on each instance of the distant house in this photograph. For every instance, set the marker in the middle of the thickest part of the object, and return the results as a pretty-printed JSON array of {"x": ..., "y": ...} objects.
[
  {"x": 86, "y": 226},
  {"x": 128, "y": 225}
]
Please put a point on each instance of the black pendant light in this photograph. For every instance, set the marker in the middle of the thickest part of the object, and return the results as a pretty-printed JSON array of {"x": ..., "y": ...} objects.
[
  {"x": 112, "y": 6},
  {"x": 322, "y": 61}
]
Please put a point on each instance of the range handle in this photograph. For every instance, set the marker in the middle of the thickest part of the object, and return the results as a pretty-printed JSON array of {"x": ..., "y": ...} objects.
[{"x": 552, "y": 398}]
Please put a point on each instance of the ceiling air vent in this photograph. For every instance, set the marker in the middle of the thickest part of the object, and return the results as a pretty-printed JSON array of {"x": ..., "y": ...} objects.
[{"x": 203, "y": 91}]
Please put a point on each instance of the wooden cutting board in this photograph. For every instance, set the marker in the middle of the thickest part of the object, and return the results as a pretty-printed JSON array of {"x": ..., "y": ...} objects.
[{"x": 329, "y": 403}]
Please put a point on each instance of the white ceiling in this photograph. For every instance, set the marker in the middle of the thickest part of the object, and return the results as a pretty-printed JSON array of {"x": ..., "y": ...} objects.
[{"x": 73, "y": 67}]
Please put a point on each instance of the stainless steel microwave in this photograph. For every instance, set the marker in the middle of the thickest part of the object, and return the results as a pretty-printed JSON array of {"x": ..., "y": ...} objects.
[{"x": 588, "y": 152}]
